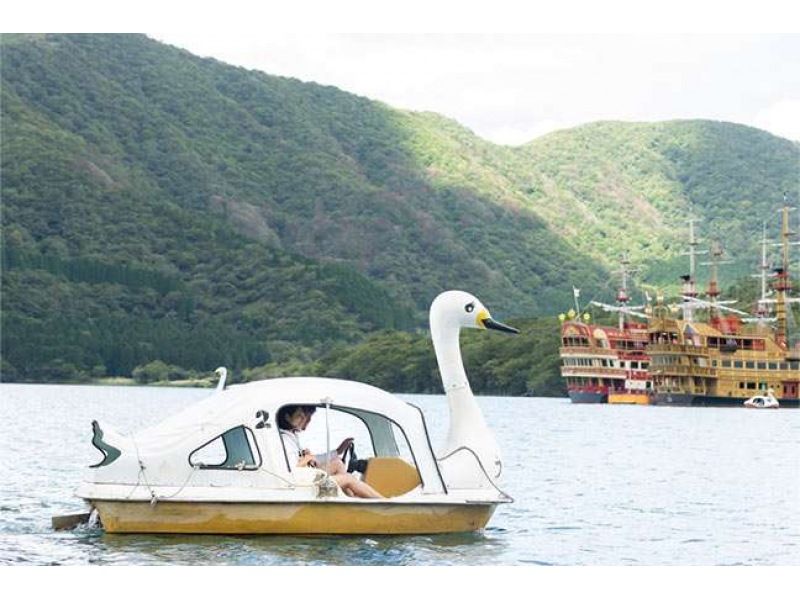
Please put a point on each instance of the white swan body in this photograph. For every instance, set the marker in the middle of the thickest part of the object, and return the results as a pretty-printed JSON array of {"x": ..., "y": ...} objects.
[{"x": 450, "y": 312}]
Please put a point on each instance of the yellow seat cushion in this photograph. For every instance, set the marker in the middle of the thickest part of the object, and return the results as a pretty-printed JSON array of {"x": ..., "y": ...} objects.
[{"x": 391, "y": 476}]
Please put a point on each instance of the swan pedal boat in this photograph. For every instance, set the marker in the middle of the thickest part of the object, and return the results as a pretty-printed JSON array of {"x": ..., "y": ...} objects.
[
  {"x": 161, "y": 480},
  {"x": 767, "y": 401}
]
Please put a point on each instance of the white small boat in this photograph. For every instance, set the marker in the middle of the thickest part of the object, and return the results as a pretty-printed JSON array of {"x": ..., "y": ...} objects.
[
  {"x": 767, "y": 401},
  {"x": 221, "y": 467}
]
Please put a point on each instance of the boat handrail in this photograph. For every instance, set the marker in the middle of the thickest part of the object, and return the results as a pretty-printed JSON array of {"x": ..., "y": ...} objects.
[{"x": 483, "y": 469}]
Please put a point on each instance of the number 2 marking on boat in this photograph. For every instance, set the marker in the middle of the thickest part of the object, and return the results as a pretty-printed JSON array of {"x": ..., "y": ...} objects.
[{"x": 264, "y": 417}]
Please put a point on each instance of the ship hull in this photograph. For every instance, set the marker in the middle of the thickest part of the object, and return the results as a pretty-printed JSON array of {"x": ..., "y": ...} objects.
[
  {"x": 689, "y": 400},
  {"x": 369, "y": 517},
  {"x": 629, "y": 398},
  {"x": 577, "y": 396}
]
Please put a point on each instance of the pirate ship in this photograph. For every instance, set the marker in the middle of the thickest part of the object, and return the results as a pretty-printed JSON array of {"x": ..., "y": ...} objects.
[
  {"x": 606, "y": 364},
  {"x": 729, "y": 358}
]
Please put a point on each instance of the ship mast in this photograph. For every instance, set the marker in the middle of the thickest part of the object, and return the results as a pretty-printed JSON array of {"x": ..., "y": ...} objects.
[
  {"x": 690, "y": 282},
  {"x": 783, "y": 283},
  {"x": 622, "y": 294},
  {"x": 713, "y": 288},
  {"x": 622, "y": 308},
  {"x": 762, "y": 311}
]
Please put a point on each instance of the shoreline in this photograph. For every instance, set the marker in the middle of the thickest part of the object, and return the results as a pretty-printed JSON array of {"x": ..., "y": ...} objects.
[{"x": 122, "y": 381}]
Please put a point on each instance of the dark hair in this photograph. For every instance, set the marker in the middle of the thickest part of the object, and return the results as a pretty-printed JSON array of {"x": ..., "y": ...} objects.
[
  {"x": 309, "y": 409},
  {"x": 284, "y": 413}
]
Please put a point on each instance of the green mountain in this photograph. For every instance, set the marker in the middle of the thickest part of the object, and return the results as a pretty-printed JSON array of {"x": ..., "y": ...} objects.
[
  {"x": 609, "y": 188},
  {"x": 156, "y": 205}
]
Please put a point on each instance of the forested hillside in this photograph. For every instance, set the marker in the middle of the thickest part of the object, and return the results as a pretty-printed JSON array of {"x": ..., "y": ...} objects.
[
  {"x": 497, "y": 364},
  {"x": 161, "y": 206}
]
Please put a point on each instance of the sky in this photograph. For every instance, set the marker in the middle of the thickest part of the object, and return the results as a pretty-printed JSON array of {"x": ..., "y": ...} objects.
[{"x": 511, "y": 88}]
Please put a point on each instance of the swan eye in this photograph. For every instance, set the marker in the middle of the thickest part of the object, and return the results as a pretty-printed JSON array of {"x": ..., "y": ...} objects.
[{"x": 469, "y": 307}]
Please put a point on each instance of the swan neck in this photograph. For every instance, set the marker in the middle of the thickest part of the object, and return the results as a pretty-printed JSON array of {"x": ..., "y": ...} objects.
[{"x": 448, "y": 355}]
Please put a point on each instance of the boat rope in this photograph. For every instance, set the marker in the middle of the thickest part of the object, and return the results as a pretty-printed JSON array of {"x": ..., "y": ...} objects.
[
  {"x": 155, "y": 498},
  {"x": 289, "y": 483},
  {"x": 480, "y": 464},
  {"x": 142, "y": 476},
  {"x": 605, "y": 287}
]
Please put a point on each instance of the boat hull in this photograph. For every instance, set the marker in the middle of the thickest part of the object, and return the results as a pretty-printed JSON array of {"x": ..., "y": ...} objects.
[
  {"x": 578, "y": 396},
  {"x": 688, "y": 400},
  {"x": 629, "y": 399},
  {"x": 291, "y": 518}
]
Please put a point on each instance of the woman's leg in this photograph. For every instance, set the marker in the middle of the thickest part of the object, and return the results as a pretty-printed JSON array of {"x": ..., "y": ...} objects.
[
  {"x": 335, "y": 466},
  {"x": 360, "y": 489}
]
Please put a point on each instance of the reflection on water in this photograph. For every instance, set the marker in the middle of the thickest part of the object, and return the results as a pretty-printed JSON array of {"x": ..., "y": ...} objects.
[
  {"x": 96, "y": 547},
  {"x": 287, "y": 550},
  {"x": 593, "y": 484}
]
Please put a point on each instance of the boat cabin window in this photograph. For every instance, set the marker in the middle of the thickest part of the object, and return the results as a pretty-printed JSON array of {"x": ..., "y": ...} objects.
[
  {"x": 235, "y": 449},
  {"x": 342, "y": 425}
]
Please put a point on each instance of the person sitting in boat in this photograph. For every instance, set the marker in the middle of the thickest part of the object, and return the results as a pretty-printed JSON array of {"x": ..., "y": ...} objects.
[
  {"x": 332, "y": 462},
  {"x": 293, "y": 419}
]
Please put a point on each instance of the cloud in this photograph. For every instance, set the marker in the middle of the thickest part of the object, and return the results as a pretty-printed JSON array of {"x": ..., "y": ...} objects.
[
  {"x": 781, "y": 118},
  {"x": 511, "y": 88}
]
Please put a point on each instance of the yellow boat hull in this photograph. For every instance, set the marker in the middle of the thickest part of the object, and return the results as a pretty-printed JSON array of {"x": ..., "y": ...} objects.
[
  {"x": 291, "y": 518},
  {"x": 629, "y": 399}
]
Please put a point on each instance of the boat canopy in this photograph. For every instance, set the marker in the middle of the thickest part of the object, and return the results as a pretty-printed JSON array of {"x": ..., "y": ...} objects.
[{"x": 244, "y": 417}]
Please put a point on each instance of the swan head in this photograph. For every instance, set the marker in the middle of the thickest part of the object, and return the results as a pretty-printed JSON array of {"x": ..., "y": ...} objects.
[{"x": 463, "y": 310}]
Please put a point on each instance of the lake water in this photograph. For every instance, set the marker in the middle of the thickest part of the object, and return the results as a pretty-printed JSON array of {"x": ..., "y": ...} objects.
[{"x": 593, "y": 484}]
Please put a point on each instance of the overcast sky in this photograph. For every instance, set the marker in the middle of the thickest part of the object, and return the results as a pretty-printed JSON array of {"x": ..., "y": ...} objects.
[{"x": 512, "y": 88}]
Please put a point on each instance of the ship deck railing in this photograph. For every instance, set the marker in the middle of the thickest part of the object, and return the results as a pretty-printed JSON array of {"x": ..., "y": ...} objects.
[
  {"x": 578, "y": 350},
  {"x": 593, "y": 371},
  {"x": 684, "y": 370},
  {"x": 673, "y": 349}
]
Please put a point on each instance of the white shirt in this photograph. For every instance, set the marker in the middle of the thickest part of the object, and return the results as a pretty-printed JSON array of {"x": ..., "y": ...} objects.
[{"x": 294, "y": 450}]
